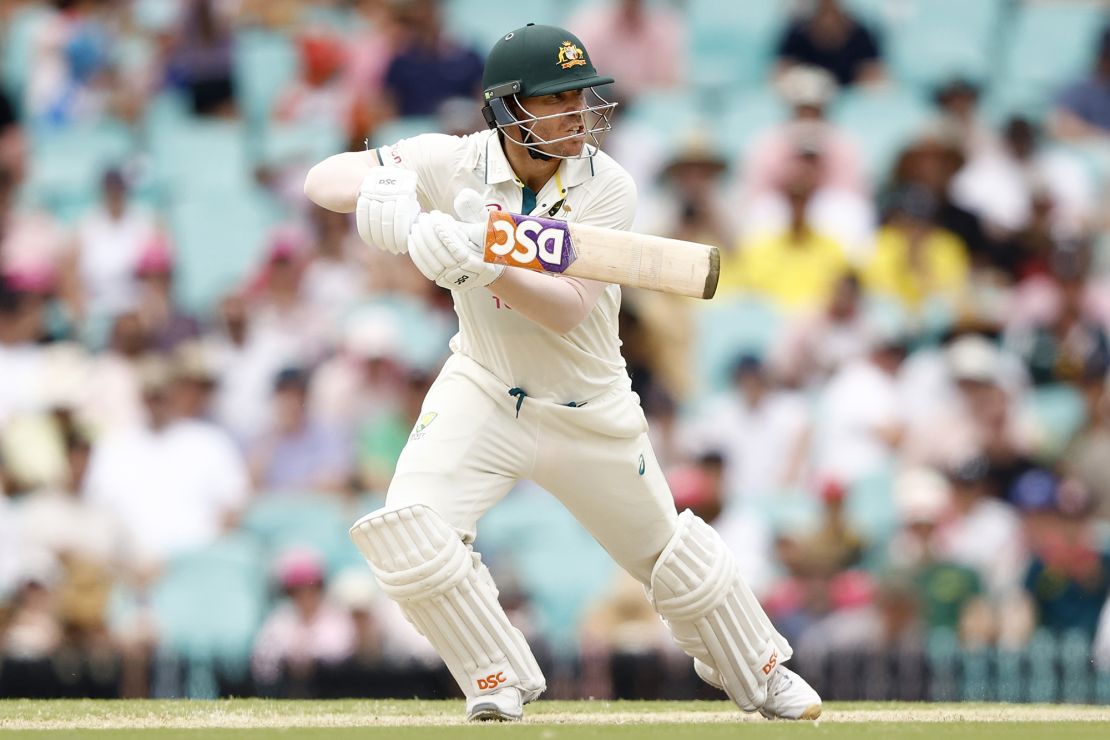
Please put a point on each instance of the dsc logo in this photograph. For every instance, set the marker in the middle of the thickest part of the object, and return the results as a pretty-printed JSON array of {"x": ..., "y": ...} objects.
[
  {"x": 528, "y": 240},
  {"x": 492, "y": 681},
  {"x": 771, "y": 663}
]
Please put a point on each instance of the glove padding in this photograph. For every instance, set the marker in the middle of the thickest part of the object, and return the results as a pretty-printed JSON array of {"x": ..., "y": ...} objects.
[
  {"x": 387, "y": 208},
  {"x": 441, "y": 250}
]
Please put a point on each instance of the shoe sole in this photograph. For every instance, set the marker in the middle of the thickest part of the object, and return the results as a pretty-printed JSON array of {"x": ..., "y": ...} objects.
[
  {"x": 490, "y": 713},
  {"x": 810, "y": 713}
]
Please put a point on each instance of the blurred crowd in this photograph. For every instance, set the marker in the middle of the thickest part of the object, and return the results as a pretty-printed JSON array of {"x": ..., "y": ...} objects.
[{"x": 896, "y": 411}]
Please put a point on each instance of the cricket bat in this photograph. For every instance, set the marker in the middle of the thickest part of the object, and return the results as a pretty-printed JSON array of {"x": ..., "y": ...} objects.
[{"x": 608, "y": 255}]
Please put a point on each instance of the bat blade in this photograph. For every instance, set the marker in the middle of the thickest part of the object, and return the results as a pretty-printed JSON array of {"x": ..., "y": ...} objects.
[{"x": 608, "y": 255}]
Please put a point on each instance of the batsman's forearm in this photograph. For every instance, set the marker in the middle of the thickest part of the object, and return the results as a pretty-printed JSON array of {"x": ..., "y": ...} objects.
[
  {"x": 334, "y": 183},
  {"x": 558, "y": 304}
]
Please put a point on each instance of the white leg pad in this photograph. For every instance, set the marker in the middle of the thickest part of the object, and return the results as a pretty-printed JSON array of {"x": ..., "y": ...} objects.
[
  {"x": 447, "y": 593},
  {"x": 714, "y": 617}
]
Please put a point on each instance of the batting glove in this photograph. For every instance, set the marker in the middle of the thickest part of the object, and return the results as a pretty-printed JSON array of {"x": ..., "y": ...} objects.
[
  {"x": 387, "y": 208},
  {"x": 442, "y": 250}
]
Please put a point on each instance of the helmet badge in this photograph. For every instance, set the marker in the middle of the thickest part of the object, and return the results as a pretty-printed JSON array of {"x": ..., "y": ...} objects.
[{"x": 571, "y": 55}]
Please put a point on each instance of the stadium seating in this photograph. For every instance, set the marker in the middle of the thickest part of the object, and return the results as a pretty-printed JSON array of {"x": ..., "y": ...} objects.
[
  {"x": 1051, "y": 44},
  {"x": 264, "y": 63},
  {"x": 209, "y": 603},
  {"x": 17, "y": 44},
  {"x": 725, "y": 329},
  {"x": 317, "y": 521},
  {"x": 886, "y": 119},
  {"x": 67, "y": 165},
  {"x": 218, "y": 242},
  {"x": 732, "y": 43},
  {"x": 507, "y": 539}
]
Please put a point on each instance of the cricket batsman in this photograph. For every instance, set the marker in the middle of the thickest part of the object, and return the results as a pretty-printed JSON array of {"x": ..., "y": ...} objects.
[{"x": 535, "y": 388}]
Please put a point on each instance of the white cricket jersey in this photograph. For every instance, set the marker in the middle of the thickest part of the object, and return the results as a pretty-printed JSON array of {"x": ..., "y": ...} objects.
[{"x": 572, "y": 367}]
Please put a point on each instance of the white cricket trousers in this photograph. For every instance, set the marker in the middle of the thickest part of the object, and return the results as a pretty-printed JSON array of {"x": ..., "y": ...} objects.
[{"x": 473, "y": 442}]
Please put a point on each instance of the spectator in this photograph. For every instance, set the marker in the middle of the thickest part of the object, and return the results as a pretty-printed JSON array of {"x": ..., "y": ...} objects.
[
  {"x": 860, "y": 418},
  {"x": 831, "y": 38},
  {"x": 1064, "y": 339},
  {"x": 915, "y": 260},
  {"x": 12, "y": 141},
  {"x": 691, "y": 203},
  {"x": 1083, "y": 110},
  {"x": 111, "y": 397},
  {"x": 981, "y": 532},
  {"x": 21, "y": 359},
  {"x": 194, "y": 381},
  {"x": 933, "y": 161},
  {"x": 70, "y": 75},
  {"x": 762, "y": 431},
  {"x": 816, "y": 345},
  {"x": 891, "y": 623},
  {"x": 175, "y": 483},
  {"x": 60, "y": 521},
  {"x": 297, "y": 453},
  {"x": 200, "y": 59},
  {"x": 1022, "y": 188},
  {"x": 336, "y": 278},
  {"x": 980, "y": 418},
  {"x": 794, "y": 263},
  {"x": 306, "y": 630},
  {"x": 319, "y": 93},
  {"x": 110, "y": 243},
  {"x": 641, "y": 45},
  {"x": 1068, "y": 580},
  {"x": 277, "y": 304},
  {"x": 429, "y": 67},
  {"x": 651, "y": 376},
  {"x": 165, "y": 324},
  {"x": 33, "y": 631},
  {"x": 32, "y": 242},
  {"x": 958, "y": 102},
  {"x": 808, "y": 91},
  {"x": 379, "y": 441},
  {"x": 246, "y": 358},
  {"x": 951, "y": 593},
  {"x": 1087, "y": 456},
  {"x": 364, "y": 380}
]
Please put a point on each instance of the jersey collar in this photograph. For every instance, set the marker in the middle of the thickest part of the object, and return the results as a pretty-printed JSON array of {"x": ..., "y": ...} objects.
[{"x": 497, "y": 168}]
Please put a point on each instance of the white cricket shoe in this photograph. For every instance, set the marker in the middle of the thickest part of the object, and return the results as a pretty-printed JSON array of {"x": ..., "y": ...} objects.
[
  {"x": 503, "y": 705},
  {"x": 788, "y": 695}
]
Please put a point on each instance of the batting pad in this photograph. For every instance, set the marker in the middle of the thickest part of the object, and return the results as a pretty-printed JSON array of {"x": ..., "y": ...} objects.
[
  {"x": 447, "y": 593},
  {"x": 714, "y": 617}
]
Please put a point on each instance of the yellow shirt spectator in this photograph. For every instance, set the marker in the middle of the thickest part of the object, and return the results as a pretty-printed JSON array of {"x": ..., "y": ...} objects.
[
  {"x": 914, "y": 264},
  {"x": 793, "y": 269}
]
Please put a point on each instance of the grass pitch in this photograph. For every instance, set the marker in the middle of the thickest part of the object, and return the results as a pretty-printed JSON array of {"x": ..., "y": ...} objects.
[{"x": 257, "y": 719}]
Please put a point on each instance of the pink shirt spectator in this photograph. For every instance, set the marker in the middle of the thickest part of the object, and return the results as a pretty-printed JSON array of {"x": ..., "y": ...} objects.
[
  {"x": 327, "y": 636},
  {"x": 768, "y": 158},
  {"x": 643, "y": 48}
]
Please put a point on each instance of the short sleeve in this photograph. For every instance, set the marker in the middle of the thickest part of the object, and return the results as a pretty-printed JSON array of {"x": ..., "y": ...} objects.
[
  {"x": 432, "y": 158},
  {"x": 611, "y": 202}
]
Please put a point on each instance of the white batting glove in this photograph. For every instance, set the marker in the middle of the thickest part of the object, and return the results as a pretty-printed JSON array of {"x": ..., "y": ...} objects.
[
  {"x": 441, "y": 248},
  {"x": 387, "y": 208}
]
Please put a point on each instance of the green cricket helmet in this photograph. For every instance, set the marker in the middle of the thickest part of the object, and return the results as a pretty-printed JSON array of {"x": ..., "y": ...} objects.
[{"x": 542, "y": 60}]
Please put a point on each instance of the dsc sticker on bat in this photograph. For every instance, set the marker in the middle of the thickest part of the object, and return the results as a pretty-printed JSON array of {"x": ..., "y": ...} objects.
[{"x": 541, "y": 244}]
